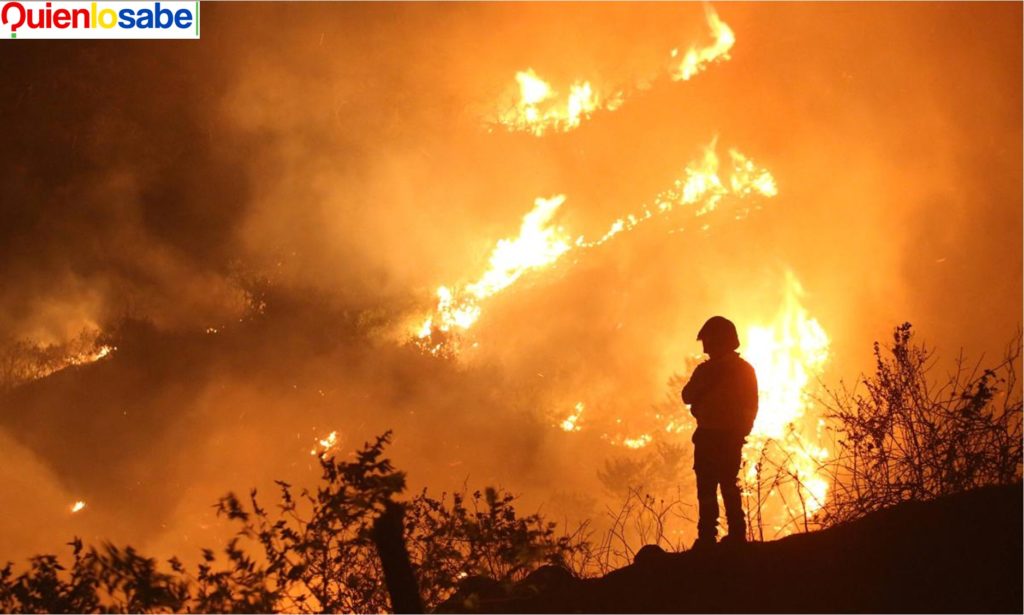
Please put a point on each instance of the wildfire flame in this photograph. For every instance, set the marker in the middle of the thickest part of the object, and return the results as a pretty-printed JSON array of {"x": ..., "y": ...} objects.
[
  {"x": 540, "y": 109},
  {"x": 73, "y": 358},
  {"x": 541, "y": 243},
  {"x": 538, "y": 244},
  {"x": 788, "y": 355},
  {"x": 697, "y": 59},
  {"x": 700, "y": 181},
  {"x": 91, "y": 356},
  {"x": 77, "y": 506}
]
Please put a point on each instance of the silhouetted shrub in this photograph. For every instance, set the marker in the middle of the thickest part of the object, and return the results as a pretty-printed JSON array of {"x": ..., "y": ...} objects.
[
  {"x": 462, "y": 536},
  {"x": 315, "y": 554},
  {"x": 97, "y": 580},
  {"x": 900, "y": 437},
  {"x": 642, "y": 519}
]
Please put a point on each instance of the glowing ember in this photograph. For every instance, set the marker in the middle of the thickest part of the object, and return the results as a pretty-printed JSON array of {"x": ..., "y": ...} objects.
[
  {"x": 638, "y": 442},
  {"x": 697, "y": 59},
  {"x": 77, "y": 506},
  {"x": 325, "y": 445},
  {"x": 572, "y": 422}
]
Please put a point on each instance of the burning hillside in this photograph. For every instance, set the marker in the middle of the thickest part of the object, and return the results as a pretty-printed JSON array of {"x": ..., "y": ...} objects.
[{"x": 494, "y": 229}]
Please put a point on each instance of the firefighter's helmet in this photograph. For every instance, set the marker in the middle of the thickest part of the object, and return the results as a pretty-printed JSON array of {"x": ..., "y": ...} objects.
[{"x": 719, "y": 332}]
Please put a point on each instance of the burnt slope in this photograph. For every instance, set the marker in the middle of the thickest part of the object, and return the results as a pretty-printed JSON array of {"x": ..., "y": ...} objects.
[{"x": 957, "y": 554}]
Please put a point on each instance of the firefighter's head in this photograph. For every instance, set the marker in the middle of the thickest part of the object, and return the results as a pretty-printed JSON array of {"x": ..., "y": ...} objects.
[{"x": 719, "y": 336}]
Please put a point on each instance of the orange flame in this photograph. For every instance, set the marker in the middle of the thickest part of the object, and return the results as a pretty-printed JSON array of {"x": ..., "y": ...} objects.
[
  {"x": 541, "y": 243},
  {"x": 697, "y": 59},
  {"x": 77, "y": 506},
  {"x": 74, "y": 358},
  {"x": 538, "y": 244},
  {"x": 91, "y": 356},
  {"x": 540, "y": 109},
  {"x": 788, "y": 355},
  {"x": 701, "y": 181}
]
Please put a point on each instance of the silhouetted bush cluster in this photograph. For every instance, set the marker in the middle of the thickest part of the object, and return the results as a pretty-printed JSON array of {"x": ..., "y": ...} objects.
[
  {"x": 901, "y": 438},
  {"x": 315, "y": 554}
]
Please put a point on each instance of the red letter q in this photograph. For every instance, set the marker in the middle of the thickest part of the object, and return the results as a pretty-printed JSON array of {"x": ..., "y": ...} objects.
[{"x": 21, "y": 15}]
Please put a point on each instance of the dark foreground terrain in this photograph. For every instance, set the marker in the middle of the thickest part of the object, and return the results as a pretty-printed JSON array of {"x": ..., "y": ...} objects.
[{"x": 956, "y": 554}]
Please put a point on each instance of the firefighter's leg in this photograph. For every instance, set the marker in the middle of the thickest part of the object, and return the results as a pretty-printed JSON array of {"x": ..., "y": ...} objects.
[
  {"x": 707, "y": 500},
  {"x": 731, "y": 492},
  {"x": 734, "y": 508}
]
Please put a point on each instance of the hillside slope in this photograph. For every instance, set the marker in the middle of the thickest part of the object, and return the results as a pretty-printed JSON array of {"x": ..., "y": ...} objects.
[{"x": 956, "y": 554}]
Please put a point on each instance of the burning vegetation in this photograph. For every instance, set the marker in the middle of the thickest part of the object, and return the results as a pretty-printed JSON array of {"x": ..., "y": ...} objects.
[
  {"x": 540, "y": 108},
  {"x": 541, "y": 243}
]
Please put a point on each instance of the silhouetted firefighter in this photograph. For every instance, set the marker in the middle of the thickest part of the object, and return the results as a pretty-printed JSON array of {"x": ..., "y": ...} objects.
[{"x": 722, "y": 393}]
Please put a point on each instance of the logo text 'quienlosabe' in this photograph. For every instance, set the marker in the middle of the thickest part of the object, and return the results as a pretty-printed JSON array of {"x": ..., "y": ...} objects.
[{"x": 84, "y": 19}]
